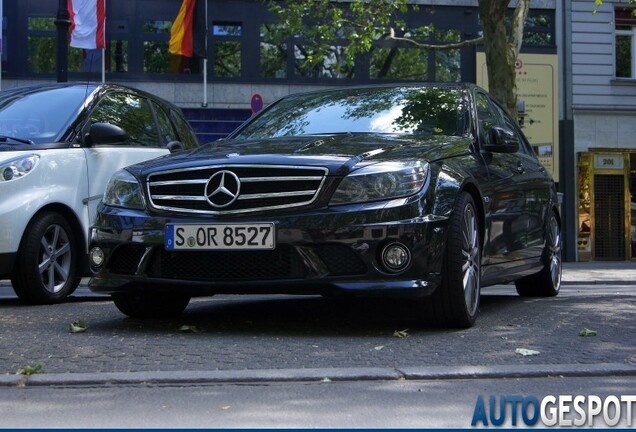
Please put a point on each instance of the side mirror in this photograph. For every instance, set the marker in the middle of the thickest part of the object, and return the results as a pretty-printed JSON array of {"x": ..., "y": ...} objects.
[
  {"x": 105, "y": 133},
  {"x": 175, "y": 146},
  {"x": 502, "y": 141}
]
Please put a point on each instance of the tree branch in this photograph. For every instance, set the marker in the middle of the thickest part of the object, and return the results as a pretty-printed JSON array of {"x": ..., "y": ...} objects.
[{"x": 446, "y": 46}]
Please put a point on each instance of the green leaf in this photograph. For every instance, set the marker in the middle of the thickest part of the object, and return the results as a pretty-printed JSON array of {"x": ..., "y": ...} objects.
[
  {"x": 401, "y": 333},
  {"x": 587, "y": 332},
  {"x": 78, "y": 326},
  {"x": 188, "y": 329},
  {"x": 30, "y": 370}
]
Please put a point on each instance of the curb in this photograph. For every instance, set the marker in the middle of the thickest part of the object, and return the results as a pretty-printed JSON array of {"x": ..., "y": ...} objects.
[
  {"x": 598, "y": 282},
  {"x": 318, "y": 375}
]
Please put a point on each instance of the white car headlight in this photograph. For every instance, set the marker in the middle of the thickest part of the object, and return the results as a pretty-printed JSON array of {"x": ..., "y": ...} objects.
[
  {"x": 17, "y": 167},
  {"x": 123, "y": 190},
  {"x": 384, "y": 180}
]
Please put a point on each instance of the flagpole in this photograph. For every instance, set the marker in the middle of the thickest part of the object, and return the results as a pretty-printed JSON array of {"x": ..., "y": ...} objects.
[
  {"x": 104, "y": 64},
  {"x": 104, "y": 48},
  {"x": 205, "y": 60},
  {"x": 1, "y": 22}
]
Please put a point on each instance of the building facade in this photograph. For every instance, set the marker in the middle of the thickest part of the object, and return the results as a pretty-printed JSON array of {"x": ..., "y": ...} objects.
[
  {"x": 246, "y": 67},
  {"x": 602, "y": 106}
]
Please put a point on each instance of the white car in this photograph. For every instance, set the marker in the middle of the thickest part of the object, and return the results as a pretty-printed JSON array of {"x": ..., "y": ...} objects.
[{"x": 59, "y": 146}]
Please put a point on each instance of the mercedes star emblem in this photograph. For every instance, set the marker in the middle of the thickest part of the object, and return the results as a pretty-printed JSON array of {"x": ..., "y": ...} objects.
[{"x": 222, "y": 189}]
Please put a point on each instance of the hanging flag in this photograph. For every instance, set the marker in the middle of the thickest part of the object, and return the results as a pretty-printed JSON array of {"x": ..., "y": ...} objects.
[
  {"x": 187, "y": 35},
  {"x": 87, "y": 23}
]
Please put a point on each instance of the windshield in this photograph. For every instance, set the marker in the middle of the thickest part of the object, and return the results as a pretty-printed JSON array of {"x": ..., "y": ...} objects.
[
  {"x": 384, "y": 110},
  {"x": 40, "y": 116}
]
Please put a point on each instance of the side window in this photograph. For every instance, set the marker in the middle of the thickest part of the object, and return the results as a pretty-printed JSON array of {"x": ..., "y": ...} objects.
[
  {"x": 131, "y": 113},
  {"x": 509, "y": 123},
  {"x": 186, "y": 134},
  {"x": 165, "y": 127},
  {"x": 486, "y": 118}
]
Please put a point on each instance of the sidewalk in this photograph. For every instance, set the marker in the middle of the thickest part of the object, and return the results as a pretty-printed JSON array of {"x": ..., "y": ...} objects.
[{"x": 600, "y": 272}]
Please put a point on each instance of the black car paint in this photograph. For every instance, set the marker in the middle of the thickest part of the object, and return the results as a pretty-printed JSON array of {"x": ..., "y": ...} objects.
[{"x": 510, "y": 250}]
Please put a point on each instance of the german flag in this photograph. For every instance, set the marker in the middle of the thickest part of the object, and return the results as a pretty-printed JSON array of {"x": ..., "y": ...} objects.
[{"x": 187, "y": 35}]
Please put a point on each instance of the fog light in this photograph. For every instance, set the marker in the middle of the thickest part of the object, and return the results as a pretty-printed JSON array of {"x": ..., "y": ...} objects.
[
  {"x": 7, "y": 174},
  {"x": 96, "y": 256},
  {"x": 396, "y": 257}
]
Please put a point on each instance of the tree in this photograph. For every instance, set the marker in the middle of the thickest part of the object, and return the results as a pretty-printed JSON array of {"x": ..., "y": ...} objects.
[{"x": 361, "y": 25}]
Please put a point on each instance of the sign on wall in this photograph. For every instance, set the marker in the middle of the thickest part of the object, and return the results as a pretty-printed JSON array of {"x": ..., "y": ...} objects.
[{"x": 538, "y": 96}]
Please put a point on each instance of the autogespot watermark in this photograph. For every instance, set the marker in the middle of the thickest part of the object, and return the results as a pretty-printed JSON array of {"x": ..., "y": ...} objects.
[{"x": 559, "y": 410}]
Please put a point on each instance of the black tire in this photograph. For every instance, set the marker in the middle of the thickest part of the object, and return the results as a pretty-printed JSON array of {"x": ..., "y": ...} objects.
[
  {"x": 547, "y": 282},
  {"x": 151, "y": 305},
  {"x": 46, "y": 265},
  {"x": 455, "y": 304}
]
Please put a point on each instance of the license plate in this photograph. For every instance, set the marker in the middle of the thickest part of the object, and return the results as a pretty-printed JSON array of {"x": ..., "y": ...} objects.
[{"x": 219, "y": 236}]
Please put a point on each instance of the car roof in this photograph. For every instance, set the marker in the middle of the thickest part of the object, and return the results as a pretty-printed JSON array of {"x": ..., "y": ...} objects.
[
  {"x": 449, "y": 85},
  {"x": 90, "y": 87}
]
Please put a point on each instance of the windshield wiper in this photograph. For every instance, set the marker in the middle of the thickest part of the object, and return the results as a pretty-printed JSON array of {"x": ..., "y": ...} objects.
[{"x": 20, "y": 140}]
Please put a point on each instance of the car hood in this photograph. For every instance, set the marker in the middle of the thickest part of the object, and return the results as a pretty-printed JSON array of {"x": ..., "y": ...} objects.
[{"x": 340, "y": 153}]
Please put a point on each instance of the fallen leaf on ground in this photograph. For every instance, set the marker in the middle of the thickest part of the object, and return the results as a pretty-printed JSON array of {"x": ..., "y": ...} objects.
[
  {"x": 31, "y": 370},
  {"x": 401, "y": 333},
  {"x": 78, "y": 326},
  {"x": 526, "y": 352},
  {"x": 587, "y": 332}
]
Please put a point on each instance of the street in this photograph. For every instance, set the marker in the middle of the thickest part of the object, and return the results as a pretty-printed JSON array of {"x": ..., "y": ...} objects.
[{"x": 283, "y": 361}]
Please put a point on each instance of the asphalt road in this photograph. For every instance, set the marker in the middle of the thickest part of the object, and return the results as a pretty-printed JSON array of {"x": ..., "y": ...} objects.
[
  {"x": 282, "y": 361},
  {"x": 282, "y": 332}
]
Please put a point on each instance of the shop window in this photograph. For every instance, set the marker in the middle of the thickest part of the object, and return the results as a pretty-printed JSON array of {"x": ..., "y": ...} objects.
[
  {"x": 625, "y": 42},
  {"x": 226, "y": 49}
]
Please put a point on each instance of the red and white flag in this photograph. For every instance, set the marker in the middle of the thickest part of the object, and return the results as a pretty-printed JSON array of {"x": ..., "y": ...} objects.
[{"x": 87, "y": 23}]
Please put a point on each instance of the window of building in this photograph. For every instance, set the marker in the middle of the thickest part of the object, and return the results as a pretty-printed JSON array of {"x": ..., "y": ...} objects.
[
  {"x": 226, "y": 49},
  {"x": 156, "y": 34},
  {"x": 273, "y": 55},
  {"x": 625, "y": 42},
  {"x": 398, "y": 63},
  {"x": 393, "y": 61},
  {"x": 332, "y": 65},
  {"x": 538, "y": 29}
]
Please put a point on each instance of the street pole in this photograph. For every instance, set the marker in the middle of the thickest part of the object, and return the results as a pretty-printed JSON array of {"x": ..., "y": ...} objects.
[{"x": 62, "y": 22}]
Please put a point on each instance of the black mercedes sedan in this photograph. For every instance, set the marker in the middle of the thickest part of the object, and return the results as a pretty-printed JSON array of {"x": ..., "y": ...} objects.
[{"x": 427, "y": 192}]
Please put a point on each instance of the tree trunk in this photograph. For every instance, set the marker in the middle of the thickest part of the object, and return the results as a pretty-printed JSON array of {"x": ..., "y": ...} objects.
[{"x": 500, "y": 55}]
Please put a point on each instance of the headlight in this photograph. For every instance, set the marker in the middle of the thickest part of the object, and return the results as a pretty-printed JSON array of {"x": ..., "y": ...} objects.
[
  {"x": 123, "y": 190},
  {"x": 18, "y": 167},
  {"x": 381, "y": 181}
]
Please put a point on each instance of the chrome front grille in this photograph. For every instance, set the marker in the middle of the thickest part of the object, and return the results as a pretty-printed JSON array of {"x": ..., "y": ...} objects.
[{"x": 225, "y": 189}]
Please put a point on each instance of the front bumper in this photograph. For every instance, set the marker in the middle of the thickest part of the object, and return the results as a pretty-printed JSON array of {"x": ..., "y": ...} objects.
[{"x": 330, "y": 251}]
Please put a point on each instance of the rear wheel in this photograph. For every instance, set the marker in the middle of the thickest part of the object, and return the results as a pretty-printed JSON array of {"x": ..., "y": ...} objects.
[
  {"x": 151, "y": 305},
  {"x": 45, "y": 269},
  {"x": 456, "y": 302},
  {"x": 547, "y": 282}
]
